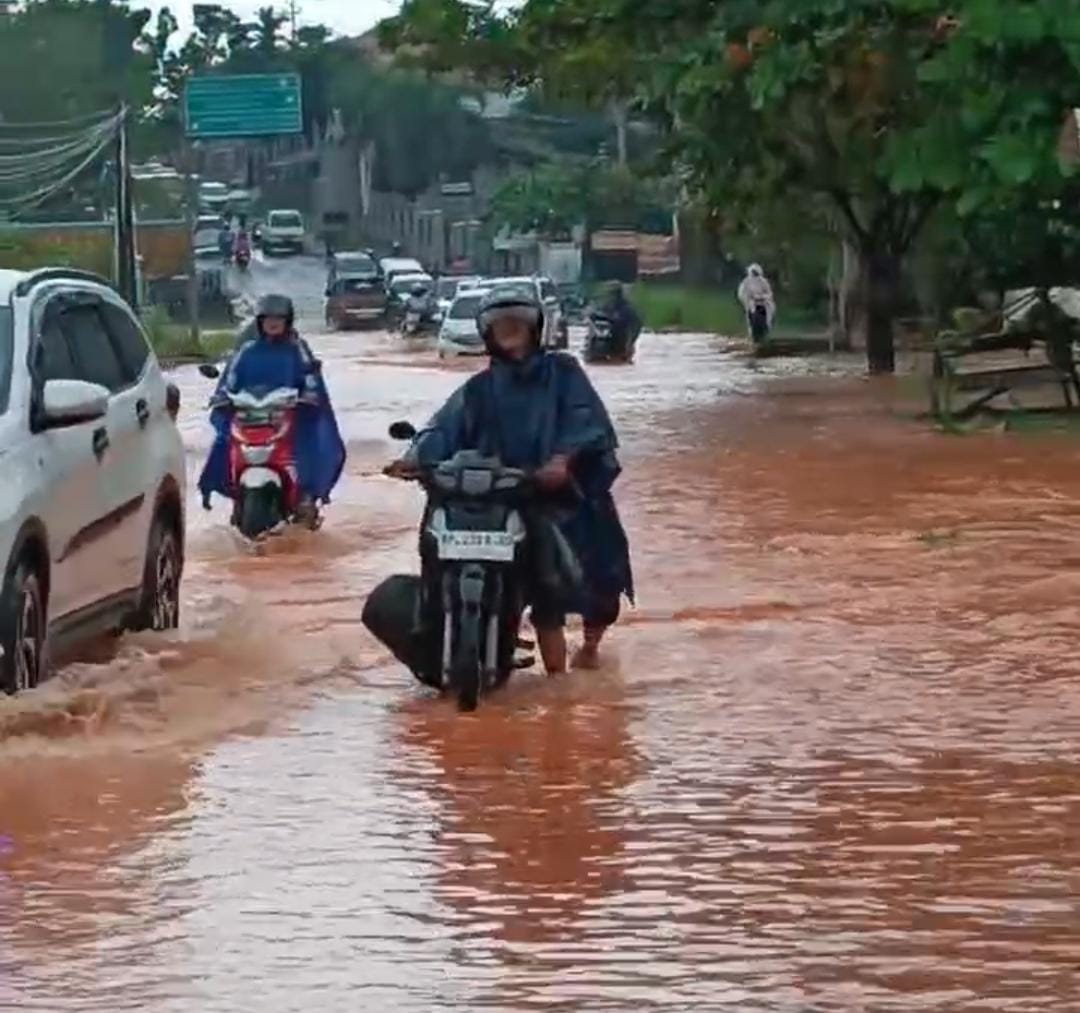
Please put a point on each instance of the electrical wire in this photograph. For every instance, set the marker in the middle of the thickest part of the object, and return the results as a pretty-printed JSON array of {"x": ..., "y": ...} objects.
[
  {"x": 14, "y": 168},
  {"x": 98, "y": 115},
  {"x": 30, "y": 200}
]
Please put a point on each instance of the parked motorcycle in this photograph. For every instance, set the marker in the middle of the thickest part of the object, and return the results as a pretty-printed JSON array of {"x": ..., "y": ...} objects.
[
  {"x": 473, "y": 548},
  {"x": 262, "y": 467}
]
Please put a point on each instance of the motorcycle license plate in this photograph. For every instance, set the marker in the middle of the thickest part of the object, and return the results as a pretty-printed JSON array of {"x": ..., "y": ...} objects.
[{"x": 480, "y": 546}]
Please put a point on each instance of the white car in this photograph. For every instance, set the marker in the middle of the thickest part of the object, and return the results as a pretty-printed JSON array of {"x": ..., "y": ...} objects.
[
  {"x": 283, "y": 231},
  {"x": 92, "y": 504},
  {"x": 207, "y": 238},
  {"x": 395, "y": 267},
  {"x": 544, "y": 291},
  {"x": 458, "y": 334},
  {"x": 448, "y": 287}
]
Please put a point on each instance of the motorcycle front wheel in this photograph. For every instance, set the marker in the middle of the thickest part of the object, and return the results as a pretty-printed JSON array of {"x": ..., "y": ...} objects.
[
  {"x": 468, "y": 664},
  {"x": 259, "y": 511}
]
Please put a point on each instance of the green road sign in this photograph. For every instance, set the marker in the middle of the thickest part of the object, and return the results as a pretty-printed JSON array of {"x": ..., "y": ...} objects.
[{"x": 242, "y": 105}]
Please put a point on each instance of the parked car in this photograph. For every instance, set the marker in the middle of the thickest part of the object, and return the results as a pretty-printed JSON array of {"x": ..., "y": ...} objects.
[
  {"x": 283, "y": 231},
  {"x": 459, "y": 334},
  {"x": 92, "y": 506},
  {"x": 542, "y": 289}
]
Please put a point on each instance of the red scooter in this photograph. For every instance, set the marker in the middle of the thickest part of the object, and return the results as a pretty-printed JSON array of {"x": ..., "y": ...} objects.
[
  {"x": 262, "y": 466},
  {"x": 242, "y": 251}
]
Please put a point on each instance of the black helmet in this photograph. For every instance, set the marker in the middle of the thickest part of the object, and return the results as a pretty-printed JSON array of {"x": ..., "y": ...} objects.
[
  {"x": 276, "y": 306},
  {"x": 511, "y": 302}
]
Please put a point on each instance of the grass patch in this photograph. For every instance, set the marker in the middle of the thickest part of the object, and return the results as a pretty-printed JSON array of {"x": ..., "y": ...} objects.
[
  {"x": 710, "y": 311},
  {"x": 674, "y": 308},
  {"x": 172, "y": 342}
]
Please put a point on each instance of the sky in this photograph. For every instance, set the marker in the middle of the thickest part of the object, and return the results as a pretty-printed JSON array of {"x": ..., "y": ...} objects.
[{"x": 347, "y": 17}]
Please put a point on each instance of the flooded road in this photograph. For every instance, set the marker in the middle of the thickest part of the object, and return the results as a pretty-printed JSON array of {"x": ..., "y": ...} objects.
[{"x": 831, "y": 762}]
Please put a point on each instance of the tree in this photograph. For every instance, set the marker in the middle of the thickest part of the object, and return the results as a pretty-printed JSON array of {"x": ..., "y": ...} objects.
[
  {"x": 61, "y": 59},
  {"x": 886, "y": 110}
]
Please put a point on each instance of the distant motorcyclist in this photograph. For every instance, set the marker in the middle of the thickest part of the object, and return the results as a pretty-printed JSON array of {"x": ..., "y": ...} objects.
[
  {"x": 756, "y": 295},
  {"x": 625, "y": 320},
  {"x": 537, "y": 410},
  {"x": 274, "y": 356},
  {"x": 226, "y": 240},
  {"x": 241, "y": 249}
]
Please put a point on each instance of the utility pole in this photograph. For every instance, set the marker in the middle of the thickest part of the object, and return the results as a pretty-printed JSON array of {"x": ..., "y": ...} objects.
[
  {"x": 126, "y": 281},
  {"x": 294, "y": 11},
  {"x": 191, "y": 213}
]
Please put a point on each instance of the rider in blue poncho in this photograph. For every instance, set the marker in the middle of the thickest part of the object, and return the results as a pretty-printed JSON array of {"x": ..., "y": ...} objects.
[
  {"x": 278, "y": 357},
  {"x": 538, "y": 411}
]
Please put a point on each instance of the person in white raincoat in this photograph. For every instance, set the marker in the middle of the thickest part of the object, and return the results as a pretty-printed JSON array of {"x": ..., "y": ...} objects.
[{"x": 755, "y": 290}]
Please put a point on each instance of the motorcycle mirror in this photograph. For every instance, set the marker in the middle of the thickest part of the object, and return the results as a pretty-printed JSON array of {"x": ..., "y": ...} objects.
[
  {"x": 316, "y": 366},
  {"x": 209, "y": 370},
  {"x": 402, "y": 431}
]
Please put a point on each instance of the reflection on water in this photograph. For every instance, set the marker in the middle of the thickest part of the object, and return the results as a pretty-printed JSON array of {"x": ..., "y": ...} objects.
[{"x": 831, "y": 763}]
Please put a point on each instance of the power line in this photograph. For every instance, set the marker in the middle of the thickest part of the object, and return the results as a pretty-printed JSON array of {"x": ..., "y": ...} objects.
[{"x": 32, "y": 199}]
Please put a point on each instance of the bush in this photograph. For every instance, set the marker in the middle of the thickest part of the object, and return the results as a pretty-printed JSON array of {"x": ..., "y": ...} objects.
[
  {"x": 675, "y": 308},
  {"x": 172, "y": 341}
]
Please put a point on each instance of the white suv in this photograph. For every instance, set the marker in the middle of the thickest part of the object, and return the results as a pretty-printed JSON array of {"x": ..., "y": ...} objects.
[
  {"x": 284, "y": 232},
  {"x": 92, "y": 503},
  {"x": 545, "y": 293}
]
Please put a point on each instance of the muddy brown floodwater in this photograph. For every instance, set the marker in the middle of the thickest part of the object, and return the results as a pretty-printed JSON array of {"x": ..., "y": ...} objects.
[{"x": 831, "y": 762}]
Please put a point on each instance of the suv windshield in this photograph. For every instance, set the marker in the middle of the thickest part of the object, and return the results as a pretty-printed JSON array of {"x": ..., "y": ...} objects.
[
  {"x": 7, "y": 340},
  {"x": 357, "y": 266},
  {"x": 466, "y": 307},
  {"x": 285, "y": 220}
]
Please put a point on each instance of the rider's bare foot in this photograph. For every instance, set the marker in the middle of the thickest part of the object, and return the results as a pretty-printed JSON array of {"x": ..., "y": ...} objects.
[
  {"x": 587, "y": 657},
  {"x": 552, "y": 644}
]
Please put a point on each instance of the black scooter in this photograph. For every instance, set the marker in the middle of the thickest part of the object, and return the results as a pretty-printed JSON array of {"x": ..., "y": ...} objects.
[
  {"x": 603, "y": 343},
  {"x": 456, "y": 626}
]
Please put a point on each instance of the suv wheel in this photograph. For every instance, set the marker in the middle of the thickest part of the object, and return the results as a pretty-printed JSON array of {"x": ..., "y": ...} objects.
[
  {"x": 22, "y": 630},
  {"x": 159, "y": 607}
]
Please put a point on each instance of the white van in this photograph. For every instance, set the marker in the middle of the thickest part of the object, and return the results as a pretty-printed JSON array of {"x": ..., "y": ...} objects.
[{"x": 283, "y": 231}]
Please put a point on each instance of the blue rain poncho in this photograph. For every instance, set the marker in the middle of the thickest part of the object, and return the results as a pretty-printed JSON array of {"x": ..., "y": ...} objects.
[
  {"x": 525, "y": 413},
  {"x": 261, "y": 365}
]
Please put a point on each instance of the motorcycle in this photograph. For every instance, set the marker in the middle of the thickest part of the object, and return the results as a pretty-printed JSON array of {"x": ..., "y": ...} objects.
[
  {"x": 262, "y": 469},
  {"x": 242, "y": 257},
  {"x": 473, "y": 548},
  {"x": 601, "y": 343},
  {"x": 416, "y": 323},
  {"x": 757, "y": 317}
]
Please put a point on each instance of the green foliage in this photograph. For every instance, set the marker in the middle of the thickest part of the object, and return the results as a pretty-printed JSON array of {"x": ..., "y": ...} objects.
[
  {"x": 419, "y": 127},
  {"x": 69, "y": 58},
  {"x": 677, "y": 308},
  {"x": 172, "y": 342},
  {"x": 556, "y": 196},
  {"x": 883, "y": 110}
]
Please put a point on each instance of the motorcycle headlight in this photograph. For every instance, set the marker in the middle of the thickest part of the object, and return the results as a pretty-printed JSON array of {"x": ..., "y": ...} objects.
[{"x": 256, "y": 455}]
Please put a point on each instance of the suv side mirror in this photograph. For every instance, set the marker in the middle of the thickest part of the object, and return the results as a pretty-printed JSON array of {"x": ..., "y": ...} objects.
[
  {"x": 209, "y": 370},
  {"x": 71, "y": 402}
]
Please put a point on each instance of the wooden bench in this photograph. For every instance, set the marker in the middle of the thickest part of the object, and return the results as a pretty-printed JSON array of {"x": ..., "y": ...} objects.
[{"x": 990, "y": 365}]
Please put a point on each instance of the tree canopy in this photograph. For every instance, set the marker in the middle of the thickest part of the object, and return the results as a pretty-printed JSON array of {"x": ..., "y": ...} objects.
[{"x": 883, "y": 109}]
